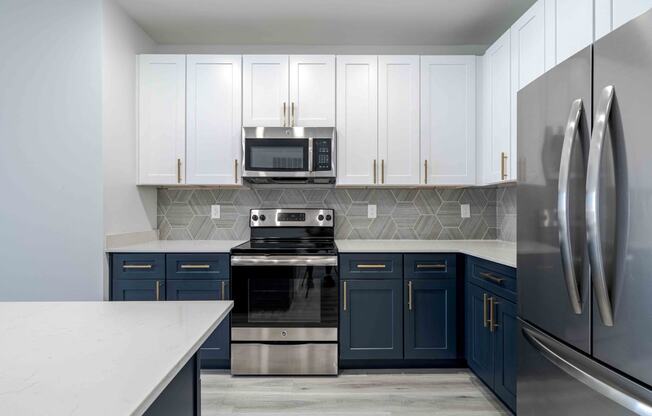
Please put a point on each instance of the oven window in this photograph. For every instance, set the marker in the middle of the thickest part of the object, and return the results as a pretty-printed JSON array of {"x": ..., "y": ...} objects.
[
  {"x": 284, "y": 296},
  {"x": 276, "y": 155}
]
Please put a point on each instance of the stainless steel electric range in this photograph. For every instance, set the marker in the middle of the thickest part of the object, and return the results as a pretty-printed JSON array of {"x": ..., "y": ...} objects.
[{"x": 284, "y": 285}]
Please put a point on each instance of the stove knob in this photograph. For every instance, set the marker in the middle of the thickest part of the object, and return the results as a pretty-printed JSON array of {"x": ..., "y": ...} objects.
[
  {"x": 320, "y": 217},
  {"x": 254, "y": 217},
  {"x": 328, "y": 218},
  {"x": 262, "y": 218}
]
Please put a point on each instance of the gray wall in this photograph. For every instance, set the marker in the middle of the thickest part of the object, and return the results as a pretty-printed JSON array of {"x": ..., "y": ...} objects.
[
  {"x": 184, "y": 214},
  {"x": 51, "y": 150}
]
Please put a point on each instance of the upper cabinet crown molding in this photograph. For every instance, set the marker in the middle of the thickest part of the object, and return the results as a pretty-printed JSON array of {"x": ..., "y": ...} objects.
[
  {"x": 162, "y": 119},
  {"x": 448, "y": 119}
]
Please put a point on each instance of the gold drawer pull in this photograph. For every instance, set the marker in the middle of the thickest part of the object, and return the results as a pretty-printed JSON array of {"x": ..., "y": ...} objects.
[
  {"x": 484, "y": 310},
  {"x": 196, "y": 266},
  {"x": 410, "y": 295},
  {"x": 158, "y": 290},
  {"x": 371, "y": 266},
  {"x": 492, "y": 278},
  {"x": 137, "y": 266},
  {"x": 431, "y": 266},
  {"x": 223, "y": 289},
  {"x": 492, "y": 314},
  {"x": 344, "y": 296}
]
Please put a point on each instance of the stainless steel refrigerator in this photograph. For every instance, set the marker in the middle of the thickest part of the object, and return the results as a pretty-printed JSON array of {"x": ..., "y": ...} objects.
[{"x": 585, "y": 231}]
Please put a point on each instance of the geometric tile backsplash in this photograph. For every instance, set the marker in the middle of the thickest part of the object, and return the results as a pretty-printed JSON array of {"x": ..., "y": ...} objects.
[{"x": 405, "y": 213}]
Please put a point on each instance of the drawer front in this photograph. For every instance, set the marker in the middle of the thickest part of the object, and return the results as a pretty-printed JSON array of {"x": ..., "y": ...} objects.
[
  {"x": 493, "y": 277},
  {"x": 197, "y": 266},
  {"x": 371, "y": 265},
  {"x": 138, "y": 266},
  {"x": 429, "y": 266}
]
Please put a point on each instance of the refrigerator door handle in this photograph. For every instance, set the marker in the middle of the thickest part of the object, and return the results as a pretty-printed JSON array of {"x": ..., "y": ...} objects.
[
  {"x": 585, "y": 371},
  {"x": 572, "y": 128},
  {"x": 592, "y": 205}
]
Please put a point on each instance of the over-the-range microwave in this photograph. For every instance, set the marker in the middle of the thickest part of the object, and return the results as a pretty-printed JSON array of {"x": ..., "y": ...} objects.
[{"x": 287, "y": 155}]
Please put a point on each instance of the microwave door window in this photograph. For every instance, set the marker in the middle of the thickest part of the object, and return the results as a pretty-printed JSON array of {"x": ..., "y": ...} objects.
[{"x": 277, "y": 158}]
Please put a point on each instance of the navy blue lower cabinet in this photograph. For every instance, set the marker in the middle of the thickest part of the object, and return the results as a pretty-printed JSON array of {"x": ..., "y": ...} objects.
[
  {"x": 137, "y": 290},
  {"x": 505, "y": 353},
  {"x": 371, "y": 319},
  {"x": 430, "y": 319},
  {"x": 479, "y": 338},
  {"x": 215, "y": 351}
]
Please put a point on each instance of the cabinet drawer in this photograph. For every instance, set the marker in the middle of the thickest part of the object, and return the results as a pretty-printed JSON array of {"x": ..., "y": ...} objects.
[
  {"x": 197, "y": 266},
  {"x": 417, "y": 266},
  {"x": 494, "y": 277},
  {"x": 371, "y": 265},
  {"x": 139, "y": 266}
]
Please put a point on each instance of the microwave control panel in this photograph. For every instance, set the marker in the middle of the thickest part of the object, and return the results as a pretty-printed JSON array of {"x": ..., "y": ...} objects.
[{"x": 321, "y": 154}]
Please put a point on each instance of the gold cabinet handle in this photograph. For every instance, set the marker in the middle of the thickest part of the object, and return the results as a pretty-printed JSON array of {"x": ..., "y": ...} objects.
[
  {"x": 223, "y": 289},
  {"x": 285, "y": 123},
  {"x": 375, "y": 171},
  {"x": 137, "y": 266},
  {"x": 382, "y": 171},
  {"x": 410, "y": 295},
  {"x": 492, "y": 314},
  {"x": 503, "y": 168},
  {"x": 371, "y": 266},
  {"x": 179, "y": 170},
  {"x": 484, "y": 310},
  {"x": 292, "y": 121},
  {"x": 235, "y": 170},
  {"x": 425, "y": 168},
  {"x": 158, "y": 290},
  {"x": 196, "y": 266},
  {"x": 492, "y": 278},
  {"x": 431, "y": 266},
  {"x": 344, "y": 296}
]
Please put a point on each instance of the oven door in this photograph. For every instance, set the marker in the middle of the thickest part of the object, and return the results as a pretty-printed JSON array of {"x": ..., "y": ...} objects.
[
  {"x": 284, "y": 298},
  {"x": 277, "y": 157}
]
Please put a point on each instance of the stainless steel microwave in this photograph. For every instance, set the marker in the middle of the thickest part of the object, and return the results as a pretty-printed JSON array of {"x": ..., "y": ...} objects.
[{"x": 289, "y": 154}]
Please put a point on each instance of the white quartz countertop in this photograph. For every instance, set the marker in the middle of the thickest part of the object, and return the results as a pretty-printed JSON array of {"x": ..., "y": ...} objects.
[
  {"x": 178, "y": 246},
  {"x": 97, "y": 358},
  {"x": 496, "y": 251}
]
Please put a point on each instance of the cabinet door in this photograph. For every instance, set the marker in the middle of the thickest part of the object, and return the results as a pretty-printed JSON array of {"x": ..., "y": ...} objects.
[
  {"x": 528, "y": 63},
  {"x": 496, "y": 140},
  {"x": 505, "y": 353},
  {"x": 357, "y": 120},
  {"x": 371, "y": 319},
  {"x": 479, "y": 340},
  {"x": 448, "y": 119},
  {"x": 610, "y": 14},
  {"x": 162, "y": 119},
  {"x": 398, "y": 119},
  {"x": 138, "y": 290},
  {"x": 430, "y": 319},
  {"x": 312, "y": 90},
  {"x": 265, "y": 91},
  {"x": 569, "y": 27},
  {"x": 217, "y": 346},
  {"x": 214, "y": 119}
]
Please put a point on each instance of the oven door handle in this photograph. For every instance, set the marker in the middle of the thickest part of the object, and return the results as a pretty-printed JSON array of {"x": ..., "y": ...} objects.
[{"x": 283, "y": 260}]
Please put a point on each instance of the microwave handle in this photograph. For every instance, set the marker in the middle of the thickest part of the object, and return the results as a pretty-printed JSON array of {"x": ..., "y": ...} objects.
[{"x": 310, "y": 154}]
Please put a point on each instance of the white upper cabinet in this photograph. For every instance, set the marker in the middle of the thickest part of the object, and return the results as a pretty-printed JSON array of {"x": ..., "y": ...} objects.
[
  {"x": 611, "y": 14},
  {"x": 357, "y": 120},
  {"x": 312, "y": 91},
  {"x": 496, "y": 143},
  {"x": 162, "y": 116},
  {"x": 265, "y": 90},
  {"x": 448, "y": 108},
  {"x": 214, "y": 119},
  {"x": 569, "y": 28},
  {"x": 398, "y": 119}
]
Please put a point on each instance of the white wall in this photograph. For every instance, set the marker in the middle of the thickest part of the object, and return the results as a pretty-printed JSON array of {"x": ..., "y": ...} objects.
[
  {"x": 51, "y": 221},
  {"x": 325, "y": 49},
  {"x": 127, "y": 208}
]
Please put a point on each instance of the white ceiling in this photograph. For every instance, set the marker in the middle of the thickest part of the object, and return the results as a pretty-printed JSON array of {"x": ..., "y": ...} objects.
[{"x": 325, "y": 22}]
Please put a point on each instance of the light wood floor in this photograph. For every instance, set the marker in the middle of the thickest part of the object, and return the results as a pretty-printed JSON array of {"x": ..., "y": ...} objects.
[{"x": 353, "y": 393}]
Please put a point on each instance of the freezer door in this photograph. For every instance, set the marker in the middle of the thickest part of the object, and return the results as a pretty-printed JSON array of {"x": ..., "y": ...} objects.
[
  {"x": 554, "y": 380},
  {"x": 554, "y": 120},
  {"x": 619, "y": 202}
]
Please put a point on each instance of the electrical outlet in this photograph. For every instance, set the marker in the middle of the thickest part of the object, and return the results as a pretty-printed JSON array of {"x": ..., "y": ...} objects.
[
  {"x": 371, "y": 211},
  {"x": 215, "y": 212},
  {"x": 466, "y": 210}
]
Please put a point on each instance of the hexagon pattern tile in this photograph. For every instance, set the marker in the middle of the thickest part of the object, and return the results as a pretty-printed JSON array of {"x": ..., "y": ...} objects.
[{"x": 427, "y": 214}]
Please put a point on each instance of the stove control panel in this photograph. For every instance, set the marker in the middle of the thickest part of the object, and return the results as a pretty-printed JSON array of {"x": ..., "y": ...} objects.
[{"x": 287, "y": 217}]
